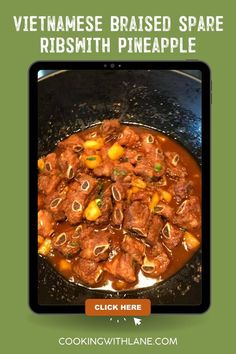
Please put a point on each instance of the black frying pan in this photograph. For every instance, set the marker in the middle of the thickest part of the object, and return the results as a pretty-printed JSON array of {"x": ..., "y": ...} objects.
[{"x": 169, "y": 101}]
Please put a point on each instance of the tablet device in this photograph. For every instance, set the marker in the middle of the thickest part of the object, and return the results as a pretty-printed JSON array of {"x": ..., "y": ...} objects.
[{"x": 119, "y": 183}]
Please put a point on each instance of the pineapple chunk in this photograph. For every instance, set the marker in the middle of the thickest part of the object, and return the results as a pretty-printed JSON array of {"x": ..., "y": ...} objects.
[
  {"x": 94, "y": 144},
  {"x": 92, "y": 212},
  {"x": 191, "y": 241},
  {"x": 154, "y": 201},
  {"x": 116, "y": 151},
  {"x": 93, "y": 161}
]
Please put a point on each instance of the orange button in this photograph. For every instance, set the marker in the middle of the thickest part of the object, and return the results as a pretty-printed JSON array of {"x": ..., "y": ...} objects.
[{"x": 117, "y": 307}]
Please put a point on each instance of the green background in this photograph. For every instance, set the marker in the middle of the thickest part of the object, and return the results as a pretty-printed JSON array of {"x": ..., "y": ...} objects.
[{"x": 27, "y": 332}]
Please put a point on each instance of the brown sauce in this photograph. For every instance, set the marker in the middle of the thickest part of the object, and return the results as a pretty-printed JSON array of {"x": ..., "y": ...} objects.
[{"x": 178, "y": 255}]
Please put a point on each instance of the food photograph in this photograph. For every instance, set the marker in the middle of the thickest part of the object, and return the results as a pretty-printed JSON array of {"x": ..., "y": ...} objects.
[{"x": 119, "y": 186}]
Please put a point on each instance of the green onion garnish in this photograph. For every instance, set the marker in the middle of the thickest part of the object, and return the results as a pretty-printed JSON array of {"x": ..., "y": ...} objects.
[
  {"x": 91, "y": 158},
  {"x": 157, "y": 167}
]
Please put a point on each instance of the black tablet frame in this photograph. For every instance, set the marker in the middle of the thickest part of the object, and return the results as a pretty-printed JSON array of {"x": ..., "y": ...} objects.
[{"x": 33, "y": 112}]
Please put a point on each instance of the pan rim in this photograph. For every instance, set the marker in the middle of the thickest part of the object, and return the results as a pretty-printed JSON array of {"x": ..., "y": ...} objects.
[{"x": 179, "y": 72}]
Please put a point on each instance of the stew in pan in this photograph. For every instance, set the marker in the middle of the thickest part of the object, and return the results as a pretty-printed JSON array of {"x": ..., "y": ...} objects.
[{"x": 119, "y": 207}]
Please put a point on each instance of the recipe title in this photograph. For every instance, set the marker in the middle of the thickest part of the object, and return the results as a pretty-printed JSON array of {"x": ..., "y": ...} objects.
[{"x": 136, "y": 34}]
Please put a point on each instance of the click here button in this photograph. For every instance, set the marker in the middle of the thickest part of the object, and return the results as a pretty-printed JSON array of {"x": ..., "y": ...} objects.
[{"x": 118, "y": 307}]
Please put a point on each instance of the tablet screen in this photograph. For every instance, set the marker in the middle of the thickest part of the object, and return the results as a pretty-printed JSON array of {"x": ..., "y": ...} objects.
[{"x": 119, "y": 185}]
